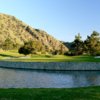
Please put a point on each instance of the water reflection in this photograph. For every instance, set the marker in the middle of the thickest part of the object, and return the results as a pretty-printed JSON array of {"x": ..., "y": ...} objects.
[{"x": 16, "y": 78}]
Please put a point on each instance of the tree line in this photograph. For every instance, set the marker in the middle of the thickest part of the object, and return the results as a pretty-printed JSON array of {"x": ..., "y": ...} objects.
[{"x": 90, "y": 46}]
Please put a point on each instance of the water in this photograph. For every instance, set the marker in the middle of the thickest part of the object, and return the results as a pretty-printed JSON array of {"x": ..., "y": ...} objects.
[{"x": 17, "y": 78}]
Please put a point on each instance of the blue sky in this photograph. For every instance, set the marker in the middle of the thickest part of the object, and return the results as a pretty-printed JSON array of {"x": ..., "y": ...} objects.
[{"x": 61, "y": 18}]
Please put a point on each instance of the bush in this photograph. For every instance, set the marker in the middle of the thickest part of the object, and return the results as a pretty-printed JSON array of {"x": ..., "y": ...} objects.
[
  {"x": 24, "y": 50},
  {"x": 72, "y": 53},
  {"x": 69, "y": 54},
  {"x": 98, "y": 54}
]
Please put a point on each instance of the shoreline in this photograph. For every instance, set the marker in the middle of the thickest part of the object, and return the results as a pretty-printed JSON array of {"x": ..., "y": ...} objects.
[{"x": 53, "y": 66}]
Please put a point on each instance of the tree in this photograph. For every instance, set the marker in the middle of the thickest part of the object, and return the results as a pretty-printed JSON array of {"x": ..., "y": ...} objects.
[
  {"x": 92, "y": 43},
  {"x": 30, "y": 47},
  {"x": 24, "y": 50},
  {"x": 27, "y": 48},
  {"x": 77, "y": 45}
]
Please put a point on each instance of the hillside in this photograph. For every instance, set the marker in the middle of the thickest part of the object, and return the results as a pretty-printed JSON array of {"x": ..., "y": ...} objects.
[{"x": 17, "y": 32}]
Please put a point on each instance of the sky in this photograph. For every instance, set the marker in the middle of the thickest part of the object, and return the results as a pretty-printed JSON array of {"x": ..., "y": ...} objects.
[{"x": 62, "y": 19}]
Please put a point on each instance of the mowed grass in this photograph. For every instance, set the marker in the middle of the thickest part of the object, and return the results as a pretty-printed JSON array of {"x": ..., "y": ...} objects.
[
  {"x": 88, "y": 93},
  {"x": 15, "y": 56}
]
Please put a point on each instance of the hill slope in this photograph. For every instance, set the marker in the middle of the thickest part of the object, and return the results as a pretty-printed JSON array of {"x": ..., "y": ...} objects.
[{"x": 18, "y": 33}]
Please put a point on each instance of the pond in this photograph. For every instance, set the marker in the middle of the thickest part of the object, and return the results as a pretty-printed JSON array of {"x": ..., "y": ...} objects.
[{"x": 18, "y": 78}]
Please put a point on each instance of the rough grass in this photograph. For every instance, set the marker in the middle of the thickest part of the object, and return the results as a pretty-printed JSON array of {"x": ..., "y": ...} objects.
[
  {"x": 14, "y": 56},
  {"x": 89, "y": 93}
]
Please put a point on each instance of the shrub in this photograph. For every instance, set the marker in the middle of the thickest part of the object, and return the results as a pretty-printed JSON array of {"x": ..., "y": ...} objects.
[{"x": 24, "y": 50}]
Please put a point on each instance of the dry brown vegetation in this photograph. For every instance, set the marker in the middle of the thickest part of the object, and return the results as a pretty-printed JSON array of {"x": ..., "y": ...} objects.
[{"x": 16, "y": 33}]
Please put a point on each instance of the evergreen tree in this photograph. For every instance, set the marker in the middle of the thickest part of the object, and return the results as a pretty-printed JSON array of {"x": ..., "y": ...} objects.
[
  {"x": 78, "y": 45},
  {"x": 92, "y": 43}
]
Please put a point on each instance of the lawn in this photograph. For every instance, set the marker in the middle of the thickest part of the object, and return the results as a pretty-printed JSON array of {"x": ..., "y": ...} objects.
[
  {"x": 88, "y": 93},
  {"x": 14, "y": 56}
]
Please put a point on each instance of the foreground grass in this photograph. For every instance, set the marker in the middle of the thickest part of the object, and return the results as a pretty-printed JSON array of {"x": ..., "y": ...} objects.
[
  {"x": 14, "y": 56},
  {"x": 89, "y": 93}
]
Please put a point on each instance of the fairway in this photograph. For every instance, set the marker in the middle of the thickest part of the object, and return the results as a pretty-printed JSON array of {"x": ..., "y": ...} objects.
[{"x": 15, "y": 56}]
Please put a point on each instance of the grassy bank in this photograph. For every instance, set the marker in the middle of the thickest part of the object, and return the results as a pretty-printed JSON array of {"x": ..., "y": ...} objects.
[
  {"x": 14, "y": 56},
  {"x": 89, "y": 93}
]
